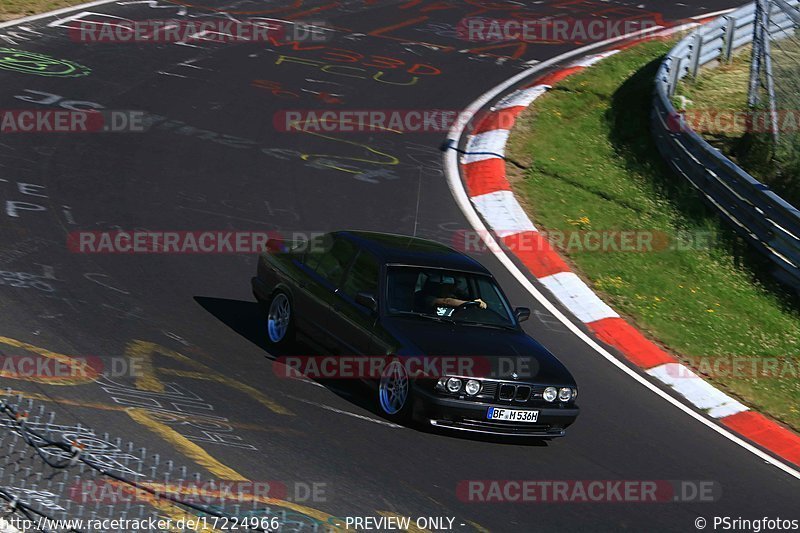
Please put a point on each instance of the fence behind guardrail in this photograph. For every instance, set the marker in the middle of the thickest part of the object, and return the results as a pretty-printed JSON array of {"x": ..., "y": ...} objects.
[{"x": 764, "y": 219}]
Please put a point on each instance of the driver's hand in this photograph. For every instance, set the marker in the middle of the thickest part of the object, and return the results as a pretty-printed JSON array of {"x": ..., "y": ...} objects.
[{"x": 481, "y": 302}]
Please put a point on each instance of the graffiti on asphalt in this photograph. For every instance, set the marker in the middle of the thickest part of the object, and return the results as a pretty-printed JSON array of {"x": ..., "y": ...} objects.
[{"x": 38, "y": 64}]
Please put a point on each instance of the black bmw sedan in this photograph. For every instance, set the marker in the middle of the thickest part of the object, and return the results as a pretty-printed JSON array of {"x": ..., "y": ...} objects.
[{"x": 427, "y": 326}]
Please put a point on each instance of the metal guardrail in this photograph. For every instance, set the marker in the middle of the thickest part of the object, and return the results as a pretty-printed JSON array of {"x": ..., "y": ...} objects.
[{"x": 763, "y": 218}]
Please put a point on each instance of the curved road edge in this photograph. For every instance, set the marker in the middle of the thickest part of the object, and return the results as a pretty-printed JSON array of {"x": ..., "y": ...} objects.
[
  {"x": 54, "y": 13},
  {"x": 497, "y": 215}
]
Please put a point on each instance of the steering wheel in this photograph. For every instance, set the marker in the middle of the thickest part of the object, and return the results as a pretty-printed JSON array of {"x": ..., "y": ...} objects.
[{"x": 466, "y": 306}]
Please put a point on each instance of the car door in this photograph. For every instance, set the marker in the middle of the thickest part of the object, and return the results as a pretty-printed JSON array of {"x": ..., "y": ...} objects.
[
  {"x": 326, "y": 266},
  {"x": 351, "y": 323}
]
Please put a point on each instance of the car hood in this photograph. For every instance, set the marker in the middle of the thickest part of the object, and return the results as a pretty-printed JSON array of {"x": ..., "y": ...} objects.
[{"x": 505, "y": 351}]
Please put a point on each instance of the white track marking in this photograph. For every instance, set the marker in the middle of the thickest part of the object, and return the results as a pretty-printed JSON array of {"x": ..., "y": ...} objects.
[
  {"x": 522, "y": 98},
  {"x": 487, "y": 145},
  {"x": 592, "y": 60},
  {"x": 577, "y": 297},
  {"x": 347, "y": 413},
  {"x": 503, "y": 212},
  {"x": 698, "y": 391}
]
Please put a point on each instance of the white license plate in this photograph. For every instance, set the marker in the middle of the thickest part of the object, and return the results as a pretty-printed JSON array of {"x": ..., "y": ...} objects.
[{"x": 512, "y": 415}]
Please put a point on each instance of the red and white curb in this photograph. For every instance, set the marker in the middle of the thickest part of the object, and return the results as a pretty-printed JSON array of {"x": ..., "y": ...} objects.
[{"x": 484, "y": 177}]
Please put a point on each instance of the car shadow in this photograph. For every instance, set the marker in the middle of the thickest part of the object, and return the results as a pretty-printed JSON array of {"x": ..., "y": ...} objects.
[{"x": 246, "y": 319}]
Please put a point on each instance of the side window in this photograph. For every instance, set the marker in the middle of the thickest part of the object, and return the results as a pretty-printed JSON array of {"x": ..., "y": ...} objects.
[
  {"x": 333, "y": 262},
  {"x": 363, "y": 276},
  {"x": 488, "y": 293},
  {"x": 315, "y": 249}
]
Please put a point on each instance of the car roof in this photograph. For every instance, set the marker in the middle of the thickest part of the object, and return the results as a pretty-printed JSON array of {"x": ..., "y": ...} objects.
[{"x": 407, "y": 250}]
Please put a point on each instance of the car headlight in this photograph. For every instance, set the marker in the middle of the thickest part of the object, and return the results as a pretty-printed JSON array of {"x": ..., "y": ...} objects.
[
  {"x": 454, "y": 385},
  {"x": 565, "y": 394},
  {"x": 473, "y": 387},
  {"x": 574, "y": 393},
  {"x": 550, "y": 394}
]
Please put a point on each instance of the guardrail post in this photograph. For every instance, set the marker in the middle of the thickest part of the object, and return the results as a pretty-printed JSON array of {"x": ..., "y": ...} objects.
[
  {"x": 730, "y": 38},
  {"x": 773, "y": 100},
  {"x": 675, "y": 74},
  {"x": 756, "y": 56},
  {"x": 697, "y": 51}
]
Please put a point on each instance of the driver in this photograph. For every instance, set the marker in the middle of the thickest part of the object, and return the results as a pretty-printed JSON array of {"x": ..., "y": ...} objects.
[{"x": 447, "y": 299}]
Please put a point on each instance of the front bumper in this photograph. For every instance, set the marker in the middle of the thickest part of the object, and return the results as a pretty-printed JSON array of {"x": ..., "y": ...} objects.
[{"x": 470, "y": 415}]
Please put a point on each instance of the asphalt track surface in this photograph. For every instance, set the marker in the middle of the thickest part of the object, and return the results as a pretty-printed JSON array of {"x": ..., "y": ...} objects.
[{"x": 185, "y": 177}]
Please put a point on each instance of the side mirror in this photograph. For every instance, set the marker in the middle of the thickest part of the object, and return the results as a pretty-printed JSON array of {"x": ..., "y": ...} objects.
[
  {"x": 368, "y": 301},
  {"x": 522, "y": 314}
]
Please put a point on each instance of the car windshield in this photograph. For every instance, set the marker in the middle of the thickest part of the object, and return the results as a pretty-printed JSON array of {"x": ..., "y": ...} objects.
[{"x": 435, "y": 293}]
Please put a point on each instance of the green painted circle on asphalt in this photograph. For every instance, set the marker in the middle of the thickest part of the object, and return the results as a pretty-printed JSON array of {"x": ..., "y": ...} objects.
[{"x": 40, "y": 64}]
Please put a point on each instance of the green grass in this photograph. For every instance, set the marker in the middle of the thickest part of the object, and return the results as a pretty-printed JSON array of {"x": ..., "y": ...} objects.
[
  {"x": 591, "y": 164},
  {"x": 725, "y": 88},
  {"x": 14, "y": 9}
]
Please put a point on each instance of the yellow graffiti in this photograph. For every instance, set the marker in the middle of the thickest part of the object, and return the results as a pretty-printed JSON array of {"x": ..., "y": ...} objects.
[
  {"x": 254, "y": 393},
  {"x": 194, "y": 452},
  {"x": 221, "y": 471},
  {"x": 390, "y": 160},
  {"x": 175, "y": 417},
  {"x": 350, "y": 71},
  {"x": 76, "y": 371},
  {"x": 184, "y": 445},
  {"x": 383, "y": 158},
  {"x": 148, "y": 379},
  {"x": 79, "y": 371}
]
